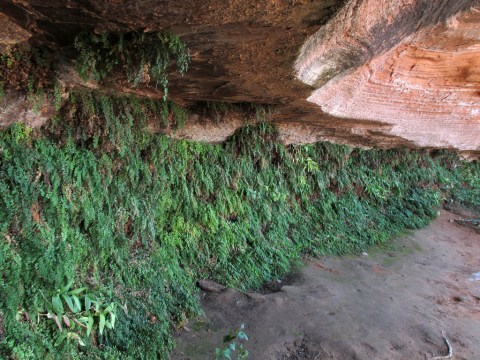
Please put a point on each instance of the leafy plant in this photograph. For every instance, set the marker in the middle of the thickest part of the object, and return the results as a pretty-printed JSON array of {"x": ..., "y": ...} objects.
[
  {"x": 96, "y": 198},
  {"x": 36, "y": 98},
  {"x": 310, "y": 165},
  {"x": 80, "y": 312},
  {"x": 30, "y": 69},
  {"x": 25, "y": 67},
  {"x": 57, "y": 96},
  {"x": 233, "y": 345},
  {"x": 20, "y": 132},
  {"x": 144, "y": 56}
]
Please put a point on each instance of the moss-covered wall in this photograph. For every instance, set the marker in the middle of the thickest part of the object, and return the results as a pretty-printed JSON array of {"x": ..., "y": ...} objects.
[{"x": 98, "y": 206}]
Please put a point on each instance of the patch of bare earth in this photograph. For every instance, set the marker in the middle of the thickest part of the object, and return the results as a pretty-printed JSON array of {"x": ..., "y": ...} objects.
[{"x": 390, "y": 304}]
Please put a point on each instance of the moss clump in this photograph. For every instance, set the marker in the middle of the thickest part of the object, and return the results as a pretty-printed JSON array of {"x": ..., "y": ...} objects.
[{"x": 137, "y": 218}]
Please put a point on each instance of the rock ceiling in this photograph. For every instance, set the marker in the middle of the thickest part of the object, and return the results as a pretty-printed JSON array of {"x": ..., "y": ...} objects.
[{"x": 377, "y": 73}]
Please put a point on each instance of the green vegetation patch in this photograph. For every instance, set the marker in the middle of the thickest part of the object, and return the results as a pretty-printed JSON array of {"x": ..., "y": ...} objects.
[
  {"x": 97, "y": 209},
  {"x": 141, "y": 58},
  {"x": 31, "y": 71},
  {"x": 144, "y": 57},
  {"x": 25, "y": 67}
]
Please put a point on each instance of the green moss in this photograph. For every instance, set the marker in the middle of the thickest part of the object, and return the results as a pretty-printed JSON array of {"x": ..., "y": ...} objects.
[{"x": 101, "y": 202}]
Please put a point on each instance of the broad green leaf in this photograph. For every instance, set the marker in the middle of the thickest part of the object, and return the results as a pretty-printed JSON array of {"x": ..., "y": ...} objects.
[
  {"x": 69, "y": 302},
  {"x": 110, "y": 308},
  {"x": 77, "y": 303},
  {"x": 101, "y": 325},
  {"x": 57, "y": 304},
  {"x": 77, "y": 291},
  {"x": 66, "y": 288},
  {"x": 112, "y": 319},
  {"x": 49, "y": 307},
  {"x": 60, "y": 339},
  {"x": 227, "y": 354},
  {"x": 97, "y": 305},
  {"x": 88, "y": 303},
  {"x": 89, "y": 325},
  {"x": 83, "y": 319},
  {"x": 242, "y": 336}
]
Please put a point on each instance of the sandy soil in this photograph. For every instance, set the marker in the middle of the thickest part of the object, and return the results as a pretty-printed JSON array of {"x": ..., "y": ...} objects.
[{"x": 390, "y": 304}]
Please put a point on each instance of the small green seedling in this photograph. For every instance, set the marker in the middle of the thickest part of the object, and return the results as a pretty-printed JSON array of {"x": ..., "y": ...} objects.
[
  {"x": 77, "y": 313},
  {"x": 233, "y": 346}
]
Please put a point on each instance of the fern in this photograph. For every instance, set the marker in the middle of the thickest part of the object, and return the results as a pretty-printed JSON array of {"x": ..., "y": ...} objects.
[
  {"x": 144, "y": 56},
  {"x": 96, "y": 200}
]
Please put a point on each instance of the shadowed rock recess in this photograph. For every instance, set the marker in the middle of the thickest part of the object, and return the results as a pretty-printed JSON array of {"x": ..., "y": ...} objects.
[
  {"x": 305, "y": 115},
  {"x": 386, "y": 73}
]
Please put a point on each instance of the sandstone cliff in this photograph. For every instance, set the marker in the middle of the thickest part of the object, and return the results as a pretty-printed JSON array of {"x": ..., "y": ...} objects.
[{"x": 379, "y": 73}]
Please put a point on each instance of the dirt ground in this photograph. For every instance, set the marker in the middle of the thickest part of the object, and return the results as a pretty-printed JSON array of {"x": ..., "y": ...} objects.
[{"x": 391, "y": 303}]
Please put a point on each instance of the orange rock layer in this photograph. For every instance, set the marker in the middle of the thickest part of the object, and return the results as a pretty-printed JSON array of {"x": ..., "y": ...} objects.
[{"x": 426, "y": 88}]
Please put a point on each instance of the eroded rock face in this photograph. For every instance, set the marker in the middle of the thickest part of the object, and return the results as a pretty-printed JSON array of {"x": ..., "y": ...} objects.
[
  {"x": 11, "y": 33},
  {"x": 364, "y": 28},
  {"x": 426, "y": 87},
  {"x": 16, "y": 107},
  {"x": 385, "y": 71}
]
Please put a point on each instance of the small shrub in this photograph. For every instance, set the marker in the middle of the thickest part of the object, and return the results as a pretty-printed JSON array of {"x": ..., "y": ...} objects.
[{"x": 80, "y": 312}]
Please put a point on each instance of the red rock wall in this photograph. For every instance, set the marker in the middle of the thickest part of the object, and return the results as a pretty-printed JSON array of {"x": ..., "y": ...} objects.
[
  {"x": 426, "y": 87},
  {"x": 385, "y": 72}
]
